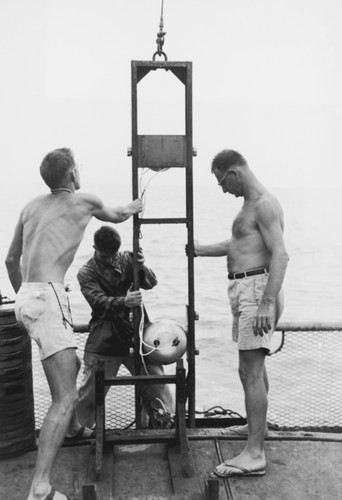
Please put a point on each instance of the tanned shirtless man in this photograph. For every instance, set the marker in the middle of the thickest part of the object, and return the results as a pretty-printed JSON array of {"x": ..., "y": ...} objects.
[
  {"x": 47, "y": 236},
  {"x": 257, "y": 260}
]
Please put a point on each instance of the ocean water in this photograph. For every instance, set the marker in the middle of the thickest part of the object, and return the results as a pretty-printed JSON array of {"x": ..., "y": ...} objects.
[{"x": 313, "y": 282}]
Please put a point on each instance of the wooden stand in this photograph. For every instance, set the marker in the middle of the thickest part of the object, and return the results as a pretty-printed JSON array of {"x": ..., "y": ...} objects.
[{"x": 176, "y": 437}]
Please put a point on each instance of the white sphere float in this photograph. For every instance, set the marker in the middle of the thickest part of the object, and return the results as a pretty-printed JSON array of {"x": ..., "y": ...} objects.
[{"x": 164, "y": 341}]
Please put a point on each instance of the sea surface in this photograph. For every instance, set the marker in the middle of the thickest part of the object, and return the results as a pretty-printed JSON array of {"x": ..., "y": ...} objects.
[{"x": 313, "y": 282}]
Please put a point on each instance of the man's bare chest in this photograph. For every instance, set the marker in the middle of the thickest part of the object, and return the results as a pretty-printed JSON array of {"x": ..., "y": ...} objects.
[{"x": 244, "y": 223}]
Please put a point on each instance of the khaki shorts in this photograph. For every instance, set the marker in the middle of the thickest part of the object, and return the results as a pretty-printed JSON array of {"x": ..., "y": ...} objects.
[
  {"x": 40, "y": 308},
  {"x": 245, "y": 296}
]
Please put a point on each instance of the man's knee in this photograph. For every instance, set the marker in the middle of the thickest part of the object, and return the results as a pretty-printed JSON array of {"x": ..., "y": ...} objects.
[
  {"x": 69, "y": 401},
  {"x": 245, "y": 374},
  {"x": 251, "y": 365},
  {"x": 154, "y": 368}
]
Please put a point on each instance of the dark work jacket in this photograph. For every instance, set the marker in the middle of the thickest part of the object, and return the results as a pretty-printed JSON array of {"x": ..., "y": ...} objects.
[{"x": 105, "y": 287}]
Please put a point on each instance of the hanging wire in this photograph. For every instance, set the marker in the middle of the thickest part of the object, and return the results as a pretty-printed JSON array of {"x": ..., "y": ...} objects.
[
  {"x": 144, "y": 186},
  {"x": 160, "y": 36}
]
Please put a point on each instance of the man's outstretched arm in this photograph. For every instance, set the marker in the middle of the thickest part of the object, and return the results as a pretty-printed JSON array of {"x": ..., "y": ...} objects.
[
  {"x": 119, "y": 213},
  {"x": 219, "y": 249}
]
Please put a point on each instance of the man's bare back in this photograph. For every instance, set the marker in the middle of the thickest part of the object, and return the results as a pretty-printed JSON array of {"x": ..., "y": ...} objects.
[{"x": 53, "y": 228}]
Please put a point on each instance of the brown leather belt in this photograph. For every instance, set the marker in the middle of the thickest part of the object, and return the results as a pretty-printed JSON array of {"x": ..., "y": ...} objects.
[{"x": 254, "y": 272}]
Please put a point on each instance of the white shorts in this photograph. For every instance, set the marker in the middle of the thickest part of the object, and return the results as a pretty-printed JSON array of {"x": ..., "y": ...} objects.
[
  {"x": 43, "y": 309},
  {"x": 245, "y": 296}
]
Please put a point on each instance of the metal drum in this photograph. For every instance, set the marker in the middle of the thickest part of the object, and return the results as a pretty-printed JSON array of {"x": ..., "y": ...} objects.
[{"x": 17, "y": 425}]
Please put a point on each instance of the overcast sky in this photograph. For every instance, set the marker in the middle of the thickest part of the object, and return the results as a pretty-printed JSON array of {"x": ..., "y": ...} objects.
[{"x": 267, "y": 80}]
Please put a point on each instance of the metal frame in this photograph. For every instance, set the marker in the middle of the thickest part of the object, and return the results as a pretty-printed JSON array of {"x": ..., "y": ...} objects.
[{"x": 183, "y": 71}]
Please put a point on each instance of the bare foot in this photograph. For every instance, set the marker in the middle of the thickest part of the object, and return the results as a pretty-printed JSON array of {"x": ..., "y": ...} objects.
[
  {"x": 226, "y": 470},
  {"x": 244, "y": 464}
]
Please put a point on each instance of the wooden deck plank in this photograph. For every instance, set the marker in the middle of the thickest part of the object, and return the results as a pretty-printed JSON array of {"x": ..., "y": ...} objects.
[
  {"x": 309, "y": 470},
  {"x": 16, "y": 472},
  {"x": 306, "y": 469},
  {"x": 141, "y": 470},
  {"x": 183, "y": 483},
  {"x": 205, "y": 458},
  {"x": 222, "y": 433},
  {"x": 104, "y": 487},
  {"x": 140, "y": 436}
]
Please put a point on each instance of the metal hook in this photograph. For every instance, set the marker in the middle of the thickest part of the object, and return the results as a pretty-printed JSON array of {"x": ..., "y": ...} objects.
[
  {"x": 160, "y": 36},
  {"x": 159, "y": 53}
]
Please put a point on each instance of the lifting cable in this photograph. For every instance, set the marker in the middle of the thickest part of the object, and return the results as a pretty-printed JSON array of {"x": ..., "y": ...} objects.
[
  {"x": 144, "y": 186},
  {"x": 160, "y": 42},
  {"x": 160, "y": 36}
]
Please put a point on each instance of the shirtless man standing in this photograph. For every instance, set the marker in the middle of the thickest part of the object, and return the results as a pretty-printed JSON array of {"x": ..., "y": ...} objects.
[
  {"x": 257, "y": 261},
  {"x": 47, "y": 236}
]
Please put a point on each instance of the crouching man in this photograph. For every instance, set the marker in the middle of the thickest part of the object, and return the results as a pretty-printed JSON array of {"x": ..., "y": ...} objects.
[{"x": 106, "y": 282}]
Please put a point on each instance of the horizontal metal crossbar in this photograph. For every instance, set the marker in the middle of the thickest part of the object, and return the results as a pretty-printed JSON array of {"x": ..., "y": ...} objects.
[
  {"x": 141, "y": 380},
  {"x": 163, "y": 221},
  {"x": 298, "y": 326},
  {"x": 141, "y": 436},
  {"x": 309, "y": 327},
  {"x": 161, "y": 64}
]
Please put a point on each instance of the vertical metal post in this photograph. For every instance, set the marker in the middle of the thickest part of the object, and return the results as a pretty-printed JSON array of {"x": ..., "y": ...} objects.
[
  {"x": 136, "y": 233},
  {"x": 99, "y": 417},
  {"x": 190, "y": 233}
]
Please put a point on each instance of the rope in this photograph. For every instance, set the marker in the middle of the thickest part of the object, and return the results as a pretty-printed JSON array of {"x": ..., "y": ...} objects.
[
  {"x": 215, "y": 411},
  {"x": 64, "y": 319},
  {"x": 154, "y": 348},
  {"x": 141, "y": 338}
]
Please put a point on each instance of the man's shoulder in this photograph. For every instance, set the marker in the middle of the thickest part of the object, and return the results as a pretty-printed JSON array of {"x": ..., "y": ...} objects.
[
  {"x": 124, "y": 259},
  {"x": 267, "y": 199},
  {"x": 37, "y": 201},
  {"x": 268, "y": 205},
  {"x": 90, "y": 199},
  {"x": 35, "y": 206},
  {"x": 44, "y": 200},
  {"x": 87, "y": 267}
]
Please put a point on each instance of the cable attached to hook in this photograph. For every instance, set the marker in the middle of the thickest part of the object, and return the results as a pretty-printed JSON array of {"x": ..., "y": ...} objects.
[
  {"x": 143, "y": 186},
  {"x": 160, "y": 36}
]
